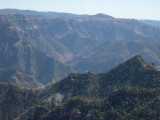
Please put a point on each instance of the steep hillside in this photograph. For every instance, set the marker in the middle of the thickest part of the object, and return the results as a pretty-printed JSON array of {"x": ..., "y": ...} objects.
[
  {"x": 128, "y": 91},
  {"x": 87, "y": 43},
  {"x": 38, "y": 46},
  {"x": 112, "y": 53},
  {"x": 134, "y": 72},
  {"x": 152, "y": 22},
  {"x": 101, "y": 40},
  {"x": 14, "y": 100},
  {"x": 126, "y": 103},
  {"x": 21, "y": 49},
  {"x": 13, "y": 76}
]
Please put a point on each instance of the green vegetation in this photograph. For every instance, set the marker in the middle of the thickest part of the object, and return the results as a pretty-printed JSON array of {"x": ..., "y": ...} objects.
[
  {"x": 15, "y": 100},
  {"x": 126, "y": 103},
  {"x": 18, "y": 78},
  {"x": 31, "y": 50},
  {"x": 129, "y": 91},
  {"x": 134, "y": 72},
  {"x": 93, "y": 43}
]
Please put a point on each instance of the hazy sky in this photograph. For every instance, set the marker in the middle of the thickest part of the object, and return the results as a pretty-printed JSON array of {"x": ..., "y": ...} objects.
[{"x": 141, "y": 9}]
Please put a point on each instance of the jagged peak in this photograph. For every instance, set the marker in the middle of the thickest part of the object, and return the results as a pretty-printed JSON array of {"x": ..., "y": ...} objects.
[
  {"x": 138, "y": 57},
  {"x": 138, "y": 60},
  {"x": 135, "y": 63}
]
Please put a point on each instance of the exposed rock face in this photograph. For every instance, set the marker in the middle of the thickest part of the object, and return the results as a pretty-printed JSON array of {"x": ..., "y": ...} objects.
[
  {"x": 18, "y": 78},
  {"x": 88, "y": 95},
  {"x": 24, "y": 47},
  {"x": 89, "y": 43},
  {"x": 75, "y": 114},
  {"x": 15, "y": 100}
]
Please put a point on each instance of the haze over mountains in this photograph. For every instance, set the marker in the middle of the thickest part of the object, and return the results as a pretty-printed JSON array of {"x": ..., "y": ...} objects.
[
  {"x": 128, "y": 91},
  {"x": 152, "y": 22},
  {"x": 20, "y": 49},
  {"x": 52, "y": 45},
  {"x": 86, "y": 43},
  {"x": 41, "y": 54},
  {"x": 44, "y": 14}
]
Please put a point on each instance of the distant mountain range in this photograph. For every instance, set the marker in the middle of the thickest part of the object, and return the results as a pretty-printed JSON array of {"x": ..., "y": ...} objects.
[
  {"x": 52, "y": 46},
  {"x": 128, "y": 91},
  {"x": 41, "y": 53},
  {"x": 152, "y": 22},
  {"x": 13, "y": 76},
  {"x": 133, "y": 72},
  {"x": 40, "y": 14},
  {"x": 20, "y": 49}
]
